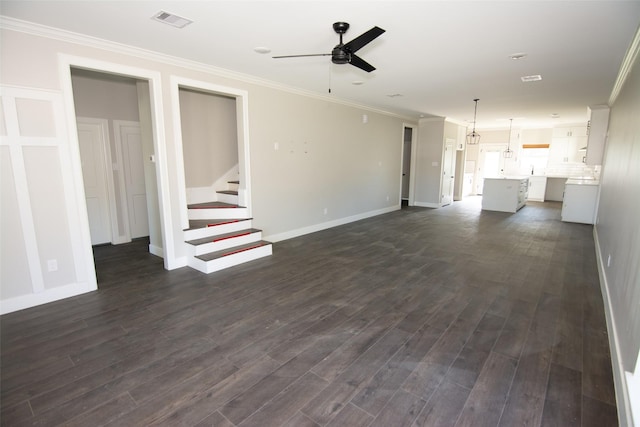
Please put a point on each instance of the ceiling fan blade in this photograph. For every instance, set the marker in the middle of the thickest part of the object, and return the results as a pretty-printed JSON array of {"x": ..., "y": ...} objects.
[
  {"x": 300, "y": 56},
  {"x": 363, "y": 39},
  {"x": 356, "y": 61}
]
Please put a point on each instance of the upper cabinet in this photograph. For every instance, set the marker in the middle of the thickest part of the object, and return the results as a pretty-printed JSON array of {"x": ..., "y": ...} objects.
[
  {"x": 568, "y": 145},
  {"x": 597, "y": 133}
]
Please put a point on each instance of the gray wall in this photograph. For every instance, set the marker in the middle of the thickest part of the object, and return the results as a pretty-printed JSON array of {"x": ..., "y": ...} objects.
[
  {"x": 618, "y": 227},
  {"x": 209, "y": 136},
  {"x": 327, "y": 159}
]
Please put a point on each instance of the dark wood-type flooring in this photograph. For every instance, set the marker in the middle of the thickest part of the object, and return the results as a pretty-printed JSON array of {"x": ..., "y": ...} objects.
[{"x": 420, "y": 317}]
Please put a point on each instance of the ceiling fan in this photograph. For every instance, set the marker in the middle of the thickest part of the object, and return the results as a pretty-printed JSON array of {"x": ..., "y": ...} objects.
[{"x": 344, "y": 53}]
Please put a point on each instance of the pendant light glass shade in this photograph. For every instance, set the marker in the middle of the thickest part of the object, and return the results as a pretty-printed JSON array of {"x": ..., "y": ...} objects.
[
  {"x": 508, "y": 153},
  {"x": 474, "y": 137}
]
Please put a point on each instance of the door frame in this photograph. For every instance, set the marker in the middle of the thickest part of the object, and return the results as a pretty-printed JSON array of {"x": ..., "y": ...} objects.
[
  {"x": 412, "y": 166},
  {"x": 480, "y": 175},
  {"x": 242, "y": 120},
  {"x": 451, "y": 143},
  {"x": 65, "y": 64}
]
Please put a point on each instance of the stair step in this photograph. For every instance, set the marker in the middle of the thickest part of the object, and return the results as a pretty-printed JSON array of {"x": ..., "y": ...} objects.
[
  {"x": 225, "y": 236},
  {"x": 195, "y": 224},
  {"x": 233, "y": 250},
  {"x": 229, "y": 192},
  {"x": 206, "y": 228},
  {"x": 213, "y": 205},
  {"x": 233, "y": 182}
]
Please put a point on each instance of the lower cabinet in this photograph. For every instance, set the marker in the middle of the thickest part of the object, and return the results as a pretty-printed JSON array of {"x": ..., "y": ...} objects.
[
  {"x": 580, "y": 203},
  {"x": 537, "y": 188}
]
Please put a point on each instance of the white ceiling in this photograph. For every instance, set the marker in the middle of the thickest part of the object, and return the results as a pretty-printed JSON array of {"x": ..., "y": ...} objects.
[{"x": 439, "y": 55}]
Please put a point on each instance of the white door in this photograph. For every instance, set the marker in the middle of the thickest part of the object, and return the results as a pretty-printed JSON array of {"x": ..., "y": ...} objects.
[
  {"x": 406, "y": 162},
  {"x": 93, "y": 155},
  {"x": 448, "y": 172},
  {"x": 130, "y": 145},
  {"x": 491, "y": 164}
]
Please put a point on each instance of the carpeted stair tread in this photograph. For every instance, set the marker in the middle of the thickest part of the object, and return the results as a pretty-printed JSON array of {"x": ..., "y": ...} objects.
[
  {"x": 224, "y": 236},
  {"x": 230, "y": 251}
]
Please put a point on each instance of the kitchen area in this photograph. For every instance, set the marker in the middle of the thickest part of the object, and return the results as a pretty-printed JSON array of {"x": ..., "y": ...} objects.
[{"x": 561, "y": 164}]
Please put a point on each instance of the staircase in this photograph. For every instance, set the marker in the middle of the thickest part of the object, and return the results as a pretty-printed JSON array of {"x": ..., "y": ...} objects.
[{"x": 220, "y": 234}]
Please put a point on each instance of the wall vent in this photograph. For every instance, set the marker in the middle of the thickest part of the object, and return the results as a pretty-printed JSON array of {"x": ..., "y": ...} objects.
[
  {"x": 171, "y": 19},
  {"x": 534, "y": 78}
]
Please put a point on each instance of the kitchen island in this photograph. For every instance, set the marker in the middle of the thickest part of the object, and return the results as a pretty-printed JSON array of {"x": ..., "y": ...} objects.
[{"x": 506, "y": 194}]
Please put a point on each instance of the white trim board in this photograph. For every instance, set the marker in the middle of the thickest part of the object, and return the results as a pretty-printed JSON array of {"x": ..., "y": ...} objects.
[
  {"x": 242, "y": 119},
  {"x": 54, "y": 294},
  {"x": 65, "y": 63},
  {"x": 329, "y": 224},
  {"x": 627, "y": 396}
]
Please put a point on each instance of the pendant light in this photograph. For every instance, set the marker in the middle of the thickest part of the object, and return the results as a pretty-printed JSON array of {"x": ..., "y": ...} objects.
[
  {"x": 474, "y": 137},
  {"x": 508, "y": 153}
]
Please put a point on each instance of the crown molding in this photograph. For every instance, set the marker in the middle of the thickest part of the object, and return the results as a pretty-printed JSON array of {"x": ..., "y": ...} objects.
[
  {"x": 625, "y": 68},
  {"x": 12, "y": 24}
]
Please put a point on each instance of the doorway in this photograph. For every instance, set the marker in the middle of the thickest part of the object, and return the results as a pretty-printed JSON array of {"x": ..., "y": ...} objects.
[
  {"x": 490, "y": 163},
  {"x": 448, "y": 172},
  {"x": 111, "y": 151},
  {"x": 115, "y": 125},
  {"x": 409, "y": 135}
]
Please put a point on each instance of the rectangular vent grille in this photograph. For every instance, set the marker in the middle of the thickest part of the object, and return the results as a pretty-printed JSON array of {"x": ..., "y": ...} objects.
[
  {"x": 534, "y": 78},
  {"x": 171, "y": 19}
]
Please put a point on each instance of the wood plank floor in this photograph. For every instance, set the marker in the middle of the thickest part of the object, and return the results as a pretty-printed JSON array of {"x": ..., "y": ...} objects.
[{"x": 420, "y": 317}]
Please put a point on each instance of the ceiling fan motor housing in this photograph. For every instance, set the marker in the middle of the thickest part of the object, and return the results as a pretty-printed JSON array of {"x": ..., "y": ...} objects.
[{"x": 340, "y": 56}]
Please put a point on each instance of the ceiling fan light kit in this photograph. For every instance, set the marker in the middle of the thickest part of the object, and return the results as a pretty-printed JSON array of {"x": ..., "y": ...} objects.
[
  {"x": 473, "y": 138},
  {"x": 344, "y": 53}
]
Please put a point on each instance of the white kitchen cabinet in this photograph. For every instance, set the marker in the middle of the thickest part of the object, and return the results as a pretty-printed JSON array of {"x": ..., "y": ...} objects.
[
  {"x": 504, "y": 194},
  {"x": 580, "y": 201},
  {"x": 537, "y": 188},
  {"x": 597, "y": 133},
  {"x": 566, "y": 143}
]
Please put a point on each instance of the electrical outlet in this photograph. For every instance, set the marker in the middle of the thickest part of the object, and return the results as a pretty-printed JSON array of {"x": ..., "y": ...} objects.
[
  {"x": 609, "y": 260},
  {"x": 52, "y": 265},
  {"x": 326, "y": 211}
]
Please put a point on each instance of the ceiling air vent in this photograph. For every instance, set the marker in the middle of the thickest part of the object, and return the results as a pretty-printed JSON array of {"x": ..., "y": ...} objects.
[
  {"x": 171, "y": 19},
  {"x": 534, "y": 78}
]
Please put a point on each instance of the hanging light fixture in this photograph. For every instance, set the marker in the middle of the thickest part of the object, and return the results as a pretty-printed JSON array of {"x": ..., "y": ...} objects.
[
  {"x": 508, "y": 153},
  {"x": 474, "y": 137}
]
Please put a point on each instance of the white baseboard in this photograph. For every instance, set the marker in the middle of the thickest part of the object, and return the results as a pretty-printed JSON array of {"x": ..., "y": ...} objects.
[
  {"x": 427, "y": 205},
  {"x": 156, "y": 250},
  {"x": 329, "y": 224},
  {"x": 633, "y": 385},
  {"x": 49, "y": 295},
  {"x": 622, "y": 388}
]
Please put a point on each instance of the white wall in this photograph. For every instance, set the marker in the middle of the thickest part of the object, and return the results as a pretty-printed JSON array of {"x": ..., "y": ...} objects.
[
  {"x": 327, "y": 159},
  {"x": 618, "y": 227}
]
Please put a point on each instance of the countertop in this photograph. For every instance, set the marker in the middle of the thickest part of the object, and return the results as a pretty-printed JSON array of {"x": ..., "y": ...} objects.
[
  {"x": 511, "y": 178},
  {"x": 580, "y": 181}
]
